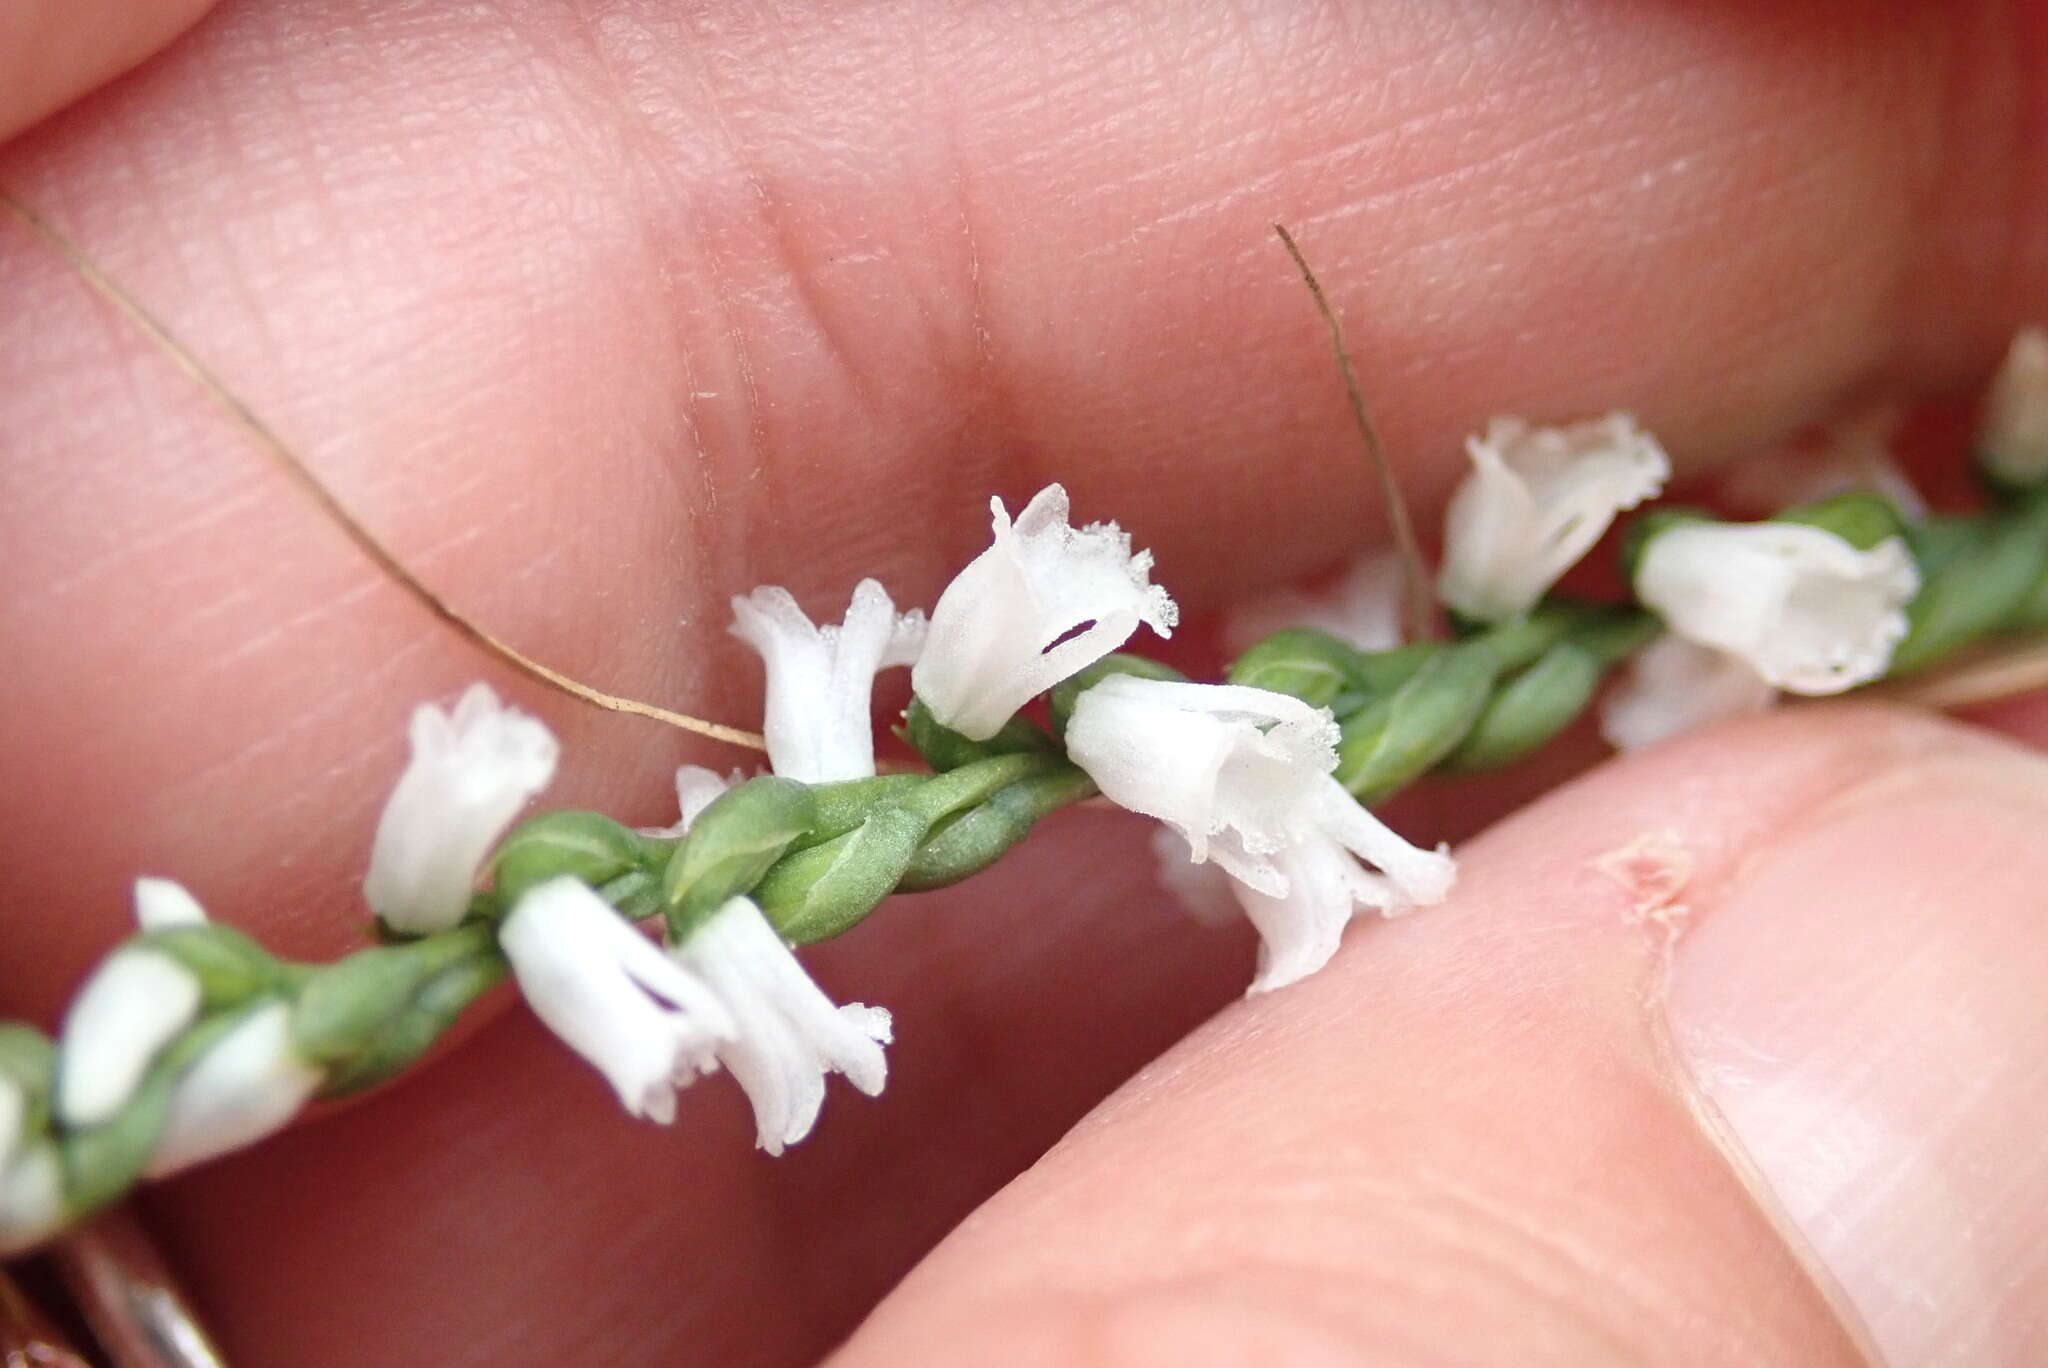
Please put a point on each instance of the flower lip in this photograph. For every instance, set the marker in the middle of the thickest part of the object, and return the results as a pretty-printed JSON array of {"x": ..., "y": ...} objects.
[
  {"x": 1044, "y": 601},
  {"x": 788, "y": 1035}
]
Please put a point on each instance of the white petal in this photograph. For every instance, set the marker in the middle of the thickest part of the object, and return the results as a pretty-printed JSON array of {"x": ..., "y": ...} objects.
[
  {"x": 789, "y": 1034},
  {"x": 1811, "y": 613},
  {"x": 1536, "y": 501},
  {"x": 641, "y": 1019},
  {"x": 164, "y": 902},
  {"x": 129, "y": 1010},
  {"x": 819, "y": 725},
  {"x": 2015, "y": 438},
  {"x": 1298, "y": 933},
  {"x": 1673, "y": 686},
  {"x": 1416, "y": 877},
  {"x": 249, "y": 1084},
  {"x": 1045, "y": 601},
  {"x": 31, "y": 1199},
  {"x": 1361, "y": 607},
  {"x": 469, "y": 776},
  {"x": 13, "y": 1110}
]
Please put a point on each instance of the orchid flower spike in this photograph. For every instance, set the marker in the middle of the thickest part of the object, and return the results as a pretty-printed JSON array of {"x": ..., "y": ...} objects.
[
  {"x": 1244, "y": 776},
  {"x": 470, "y": 774},
  {"x": 2014, "y": 443},
  {"x": 246, "y": 1085},
  {"x": 1536, "y": 501},
  {"x": 1804, "y": 608},
  {"x": 645, "y": 1022},
  {"x": 1673, "y": 686},
  {"x": 819, "y": 726},
  {"x": 787, "y": 1034},
  {"x": 1044, "y": 602},
  {"x": 1361, "y": 607}
]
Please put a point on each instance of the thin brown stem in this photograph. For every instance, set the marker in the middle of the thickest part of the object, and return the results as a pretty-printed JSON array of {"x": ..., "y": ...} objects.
[
  {"x": 310, "y": 484},
  {"x": 1418, "y": 606},
  {"x": 1988, "y": 677}
]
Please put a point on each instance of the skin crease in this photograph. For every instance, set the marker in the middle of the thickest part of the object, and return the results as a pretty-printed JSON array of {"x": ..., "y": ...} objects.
[{"x": 601, "y": 313}]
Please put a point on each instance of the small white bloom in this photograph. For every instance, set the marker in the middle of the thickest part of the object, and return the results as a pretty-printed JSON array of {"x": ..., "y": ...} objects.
[
  {"x": 2015, "y": 438},
  {"x": 1808, "y": 611},
  {"x": 161, "y": 903},
  {"x": 1044, "y": 602},
  {"x": 1674, "y": 685},
  {"x": 132, "y": 1007},
  {"x": 469, "y": 775},
  {"x": 1244, "y": 776},
  {"x": 644, "y": 1021},
  {"x": 1361, "y": 607},
  {"x": 789, "y": 1034},
  {"x": 31, "y": 1199},
  {"x": 245, "y": 1086},
  {"x": 1536, "y": 501},
  {"x": 821, "y": 679}
]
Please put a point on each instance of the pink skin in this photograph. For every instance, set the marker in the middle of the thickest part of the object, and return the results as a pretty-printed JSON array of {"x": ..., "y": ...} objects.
[{"x": 600, "y": 314}]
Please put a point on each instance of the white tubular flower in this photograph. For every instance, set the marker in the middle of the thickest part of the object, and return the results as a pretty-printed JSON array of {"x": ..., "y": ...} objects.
[
  {"x": 1673, "y": 686},
  {"x": 161, "y": 903},
  {"x": 696, "y": 789},
  {"x": 1047, "y": 600},
  {"x": 470, "y": 773},
  {"x": 821, "y": 679},
  {"x": 1361, "y": 607},
  {"x": 645, "y": 1022},
  {"x": 1805, "y": 609},
  {"x": 124, "y": 1016},
  {"x": 2015, "y": 437},
  {"x": 246, "y": 1086},
  {"x": 789, "y": 1034},
  {"x": 1244, "y": 775},
  {"x": 31, "y": 1199},
  {"x": 1536, "y": 501}
]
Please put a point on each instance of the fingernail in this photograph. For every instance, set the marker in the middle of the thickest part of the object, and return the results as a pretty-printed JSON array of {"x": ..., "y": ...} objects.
[{"x": 1867, "y": 1012}]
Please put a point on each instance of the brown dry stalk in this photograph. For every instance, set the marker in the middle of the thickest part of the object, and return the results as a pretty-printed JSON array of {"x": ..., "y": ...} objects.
[{"x": 310, "y": 484}]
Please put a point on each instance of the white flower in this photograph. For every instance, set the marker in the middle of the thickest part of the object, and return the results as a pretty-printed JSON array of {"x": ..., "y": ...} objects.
[
  {"x": 1244, "y": 775},
  {"x": 1045, "y": 601},
  {"x": 644, "y": 1021},
  {"x": 1674, "y": 685},
  {"x": 1536, "y": 501},
  {"x": 2015, "y": 437},
  {"x": 133, "y": 1006},
  {"x": 469, "y": 775},
  {"x": 248, "y": 1084},
  {"x": 1806, "y": 610},
  {"x": 788, "y": 1033},
  {"x": 1361, "y": 607},
  {"x": 31, "y": 1198},
  {"x": 821, "y": 679},
  {"x": 161, "y": 903}
]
